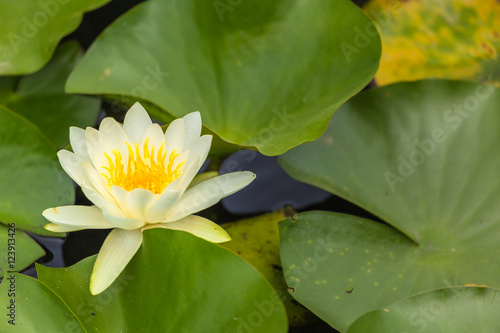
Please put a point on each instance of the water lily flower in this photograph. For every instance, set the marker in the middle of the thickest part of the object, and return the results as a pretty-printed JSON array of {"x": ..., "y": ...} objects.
[{"x": 140, "y": 178}]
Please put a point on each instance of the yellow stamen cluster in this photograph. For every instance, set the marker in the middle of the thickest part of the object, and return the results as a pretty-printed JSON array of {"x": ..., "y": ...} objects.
[{"x": 150, "y": 171}]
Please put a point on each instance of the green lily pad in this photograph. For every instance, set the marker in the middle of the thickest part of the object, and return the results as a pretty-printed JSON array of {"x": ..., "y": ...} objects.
[
  {"x": 420, "y": 156},
  {"x": 175, "y": 283},
  {"x": 31, "y": 307},
  {"x": 437, "y": 39},
  {"x": 32, "y": 29},
  {"x": 40, "y": 97},
  {"x": 257, "y": 240},
  {"x": 31, "y": 178},
  {"x": 466, "y": 309},
  {"x": 18, "y": 249},
  {"x": 265, "y": 74}
]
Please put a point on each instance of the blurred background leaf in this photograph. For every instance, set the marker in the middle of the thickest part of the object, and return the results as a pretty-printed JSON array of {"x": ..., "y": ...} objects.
[
  {"x": 41, "y": 98},
  {"x": 31, "y": 30}
]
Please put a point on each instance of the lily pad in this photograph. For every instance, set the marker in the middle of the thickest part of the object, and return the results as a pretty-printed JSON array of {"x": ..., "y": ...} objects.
[
  {"x": 31, "y": 307},
  {"x": 18, "y": 249},
  {"x": 257, "y": 241},
  {"x": 41, "y": 98},
  {"x": 466, "y": 309},
  {"x": 31, "y": 178},
  {"x": 175, "y": 283},
  {"x": 32, "y": 29},
  {"x": 264, "y": 74},
  {"x": 431, "y": 177},
  {"x": 437, "y": 39}
]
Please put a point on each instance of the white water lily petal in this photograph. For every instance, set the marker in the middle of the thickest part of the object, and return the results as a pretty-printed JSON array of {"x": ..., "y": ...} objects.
[
  {"x": 93, "y": 179},
  {"x": 200, "y": 148},
  {"x": 72, "y": 165},
  {"x": 188, "y": 173},
  {"x": 97, "y": 199},
  {"x": 116, "y": 252},
  {"x": 64, "y": 228},
  {"x": 159, "y": 209},
  {"x": 182, "y": 158},
  {"x": 155, "y": 137},
  {"x": 198, "y": 226},
  {"x": 111, "y": 129},
  {"x": 77, "y": 141},
  {"x": 136, "y": 122},
  {"x": 121, "y": 222},
  {"x": 208, "y": 193},
  {"x": 120, "y": 195},
  {"x": 126, "y": 197},
  {"x": 174, "y": 136},
  {"x": 202, "y": 177},
  {"x": 97, "y": 145},
  {"x": 82, "y": 217},
  {"x": 138, "y": 202},
  {"x": 192, "y": 123}
]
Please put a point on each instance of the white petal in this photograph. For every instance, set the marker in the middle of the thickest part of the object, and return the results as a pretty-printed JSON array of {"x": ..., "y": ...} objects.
[
  {"x": 136, "y": 122},
  {"x": 121, "y": 222},
  {"x": 97, "y": 145},
  {"x": 200, "y": 178},
  {"x": 208, "y": 193},
  {"x": 174, "y": 136},
  {"x": 188, "y": 173},
  {"x": 155, "y": 137},
  {"x": 80, "y": 217},
  {"x": 72, "y": 165},
  {"x": 77, "y": 141},
  {"x": 159, "y": 210},
  {"x": 192, "y": 123},
  {"x": 138, "y": 202},
  {"x": 97, "y": 199},
  {"x": 200, "y": 148},
  {"x": 114, "y": 132},
  {"x": 120, "y": 195},
  {"x": 198, "y": 226},
  {"x": 63, "y": 228},
  {"x": 116, "y": 252},
  {"x": 93, "y": 179}
]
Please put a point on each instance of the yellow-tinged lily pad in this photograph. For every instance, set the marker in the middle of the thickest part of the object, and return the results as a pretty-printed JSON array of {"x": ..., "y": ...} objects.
[
  {"x": 257, "y": 240},
  {"x": 437, "y": 39}
]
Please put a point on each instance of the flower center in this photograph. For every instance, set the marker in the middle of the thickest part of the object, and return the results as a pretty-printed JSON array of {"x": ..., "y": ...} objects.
[{"x": 150, "y": 171}]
